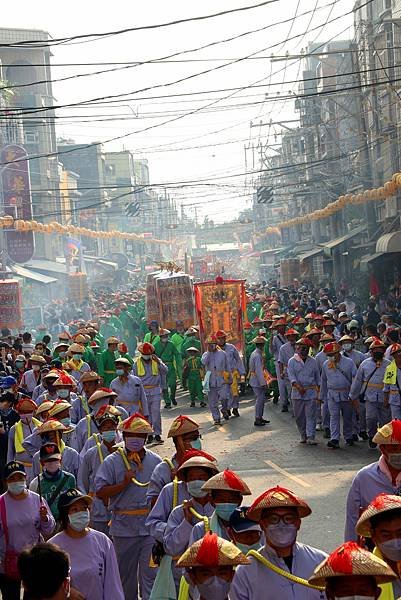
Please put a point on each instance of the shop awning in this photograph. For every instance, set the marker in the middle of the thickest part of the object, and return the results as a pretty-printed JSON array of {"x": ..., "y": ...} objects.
[
  {"x": 50, "y": 266},
  {"x": 330, "y": 246},
  {"x": 389, "y": 242},
  {"x": 310, "y": 254},
  {"x": 367, "y": 259},
  {"x": 27, "y": 274}
]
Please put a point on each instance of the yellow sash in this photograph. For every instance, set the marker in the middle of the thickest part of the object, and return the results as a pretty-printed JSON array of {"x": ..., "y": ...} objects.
[
  {"x": 140, "y": 367},
  {"x": 390, "y": 376},
  {"x": 386, "y": 588},
  {"x": 76, "y": 364},
  {"x": 19, "y": 435}
]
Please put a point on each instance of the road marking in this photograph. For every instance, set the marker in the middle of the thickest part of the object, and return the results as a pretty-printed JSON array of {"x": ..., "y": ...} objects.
[{"x": 287, "y": 474}]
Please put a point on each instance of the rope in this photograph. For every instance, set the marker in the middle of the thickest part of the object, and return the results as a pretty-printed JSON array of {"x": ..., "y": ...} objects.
[
  {"x": 175, "y": 481},
  {"x": 201, "y": 518},
  {"x": 121, "y": 451},
  {"x": 279, "y": 571},
  {"x": 99, "y": 449}
]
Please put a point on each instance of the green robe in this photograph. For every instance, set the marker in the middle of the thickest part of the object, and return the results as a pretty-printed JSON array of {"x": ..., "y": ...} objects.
[
  {"x": 108, "y": 330},
  {"x": 128, "y": 334},
  {"x": 118, "y": 326},
  {"x": 169, "y": 354},
  {"x": 178, "y": 340},
  {"x": 107, "y": 366},
  {"x": 89, "y": 357},
  {"x": 192, "y": 377},
  {"x": 189, "y": 341},
  {"x": 152, "y": 338}
]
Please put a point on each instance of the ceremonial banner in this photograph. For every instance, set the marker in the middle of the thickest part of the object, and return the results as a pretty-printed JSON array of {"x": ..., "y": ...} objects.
[
  {"x": 10, "y": 305},
  {"x": 152, "y": 304},
  {"x": 78, "y": 287},
  {"x": 221, "y": 305},
  {"x": 176, "y": 299},
  {"x": 17, "y": 200}
]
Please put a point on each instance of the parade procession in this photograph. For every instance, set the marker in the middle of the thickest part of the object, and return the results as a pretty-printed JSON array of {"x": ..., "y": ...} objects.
[{"x": 200, "y": 300}]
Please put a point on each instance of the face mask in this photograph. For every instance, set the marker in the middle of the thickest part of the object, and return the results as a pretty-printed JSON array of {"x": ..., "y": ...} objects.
[
  {"x": 281, "y": 535},
  {"x": 378, "y": 356},
  {"x": 347, "y": 347},
  {"x": 66, "y": 421},
  {"x": 76, "y": 357},
  {"x": 119, "y": 371},
  {"x": 27, "y": 419},
  {"x": 196, "y": 444},
  {"x": 63, "y": 394},
  {"x": 394, "y": 460},
  {"x": 35, "y": 367},
  {"x": 146, "y": 357},
  {"x": 355, "y": 597},
  {"x": 52, "y": 466},
  {"x": 19, "y": 364},
  {"x": 62, "y": 354},
  {"x": 79, "y": 520},
  {"x": 134, "y": 444},
  {"x": 245, "y": 548},
  {"x": 164, "y": 340},
  {"x": 9, "y": 391},
  {"x": 214, "y": 588},
  {"x": 391, "y": 549},
  {"x": 109, "y": 436},
  {"x": 16, "y": 488},
  {"x": 224, "y": 510},
  {"x": 194, "y": 488},
  {"x": 331, "y": 359}
]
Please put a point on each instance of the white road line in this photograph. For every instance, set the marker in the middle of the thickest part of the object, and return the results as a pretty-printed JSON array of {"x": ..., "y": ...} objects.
[{"x": 287, "y": 474}]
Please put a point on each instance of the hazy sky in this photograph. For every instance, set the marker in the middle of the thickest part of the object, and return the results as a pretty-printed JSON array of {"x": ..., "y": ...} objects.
[{"x": 209, "y": 144}]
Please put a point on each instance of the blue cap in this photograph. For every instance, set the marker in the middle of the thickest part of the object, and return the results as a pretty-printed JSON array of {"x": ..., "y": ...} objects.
[
  {"x": 13, "y": 467},
  {"x": 240, "y": 522},
  {"x": 7, "y": 382}
]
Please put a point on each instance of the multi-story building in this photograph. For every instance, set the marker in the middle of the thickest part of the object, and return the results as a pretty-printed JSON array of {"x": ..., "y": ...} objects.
[
  {"x": 26, "y": 68},
  {"x": 87, "y": 161},
  {"x": 69, "y": 196}
]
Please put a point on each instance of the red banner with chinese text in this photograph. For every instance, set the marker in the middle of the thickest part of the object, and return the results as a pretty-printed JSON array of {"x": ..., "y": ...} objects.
[
  {"x": 10, "y": 304},
  {"x": 221, "y": 306}
]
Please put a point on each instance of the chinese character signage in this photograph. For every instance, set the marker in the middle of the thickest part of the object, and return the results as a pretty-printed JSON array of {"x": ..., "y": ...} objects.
[
  {"x": 10, "y": 303},
  {"x": 17, "y": 200}
]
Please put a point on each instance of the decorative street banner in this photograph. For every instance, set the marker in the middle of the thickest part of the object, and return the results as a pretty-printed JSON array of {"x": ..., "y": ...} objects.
[
  {"x": 221, "y": 304},
  {"x": 10, "y": 305},
  {"x": 175, "y": 296},
  {"x": 17, "y": 201},
  {"x": 152, "y": 304},
  {"x": 170, "y": 298}
]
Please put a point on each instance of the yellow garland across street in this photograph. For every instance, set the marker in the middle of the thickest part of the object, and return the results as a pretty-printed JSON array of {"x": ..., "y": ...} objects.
[
  {"x": 8, "y": 222},
  {"x": 381, "y": 193},
  {"x": 281, "y": 572}
]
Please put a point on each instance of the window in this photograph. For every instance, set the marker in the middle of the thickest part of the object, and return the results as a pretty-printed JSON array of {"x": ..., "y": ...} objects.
[{"x": 31, "y": 137}]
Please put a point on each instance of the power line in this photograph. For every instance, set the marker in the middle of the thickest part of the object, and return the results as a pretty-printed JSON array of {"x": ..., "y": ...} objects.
[
  {"x": 160, "y": 59},
  {"x": 82, "y": 36},
  {"x": 181, "y": 80}
]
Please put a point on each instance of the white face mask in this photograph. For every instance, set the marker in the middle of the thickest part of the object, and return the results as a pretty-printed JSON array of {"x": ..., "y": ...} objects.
[
  {"x": 347, "y": 347},
  {"x": 357, "y": 597}
]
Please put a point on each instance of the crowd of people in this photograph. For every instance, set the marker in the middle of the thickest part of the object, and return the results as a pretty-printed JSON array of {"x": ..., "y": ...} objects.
[{"x": 90, "y": 510}]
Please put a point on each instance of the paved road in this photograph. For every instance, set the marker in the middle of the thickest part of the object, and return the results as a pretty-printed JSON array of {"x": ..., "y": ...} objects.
[{"x": 270, "y": 456}]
